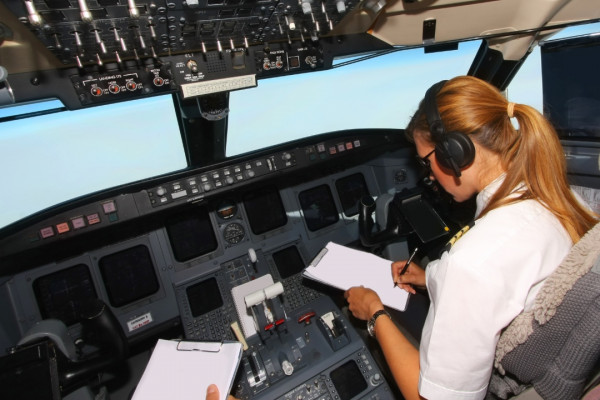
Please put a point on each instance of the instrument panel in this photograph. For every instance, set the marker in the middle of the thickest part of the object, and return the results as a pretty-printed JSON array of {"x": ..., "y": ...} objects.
[
  {"x": 186, "y": 268},
  {"x": 199, "y": 186}
]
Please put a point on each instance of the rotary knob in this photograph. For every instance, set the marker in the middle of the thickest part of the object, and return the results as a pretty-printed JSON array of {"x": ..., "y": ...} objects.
[{"x": 376, "y": 380}]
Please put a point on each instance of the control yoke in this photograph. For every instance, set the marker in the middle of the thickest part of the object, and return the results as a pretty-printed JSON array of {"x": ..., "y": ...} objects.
[
  {"x": 100, "y": 329},
  {"x": 404, "y": 214},
  {"x": 368, "y": 238}
]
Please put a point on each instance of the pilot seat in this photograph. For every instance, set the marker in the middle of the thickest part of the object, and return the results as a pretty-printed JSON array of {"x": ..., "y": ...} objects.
[{"x": 552, "y": 351}]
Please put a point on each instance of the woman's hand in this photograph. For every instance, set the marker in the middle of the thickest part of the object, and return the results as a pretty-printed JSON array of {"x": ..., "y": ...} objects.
[
  {"x": 212, "y": 393},
  {"x": 414, "y": 276},
  {"x": 362, "y": 302}
]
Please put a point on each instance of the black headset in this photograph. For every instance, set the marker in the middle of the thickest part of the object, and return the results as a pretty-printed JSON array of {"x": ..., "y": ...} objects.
[{"x": 453, "y": 150}]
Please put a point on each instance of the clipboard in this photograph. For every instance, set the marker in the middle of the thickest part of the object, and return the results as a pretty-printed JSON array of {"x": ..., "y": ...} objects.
[
  {"x": 342, "y": 267},
  {"x": 183, "y": 370}
]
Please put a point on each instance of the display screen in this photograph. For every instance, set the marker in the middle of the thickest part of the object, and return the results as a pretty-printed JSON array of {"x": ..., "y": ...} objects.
[
  {"x": 288, "y": 262},
  {"x": 350, "y": 190},
  {"x": 425, "y": 221},
  {"x": 128, "y": 275},
  {"x": 318, "y": 207},
  {"x": 204, "y": 297},
  {"x": 191, "y": 234},
  {"x": 570, "y": 80},
  {"x": 265, "y": 210},
  {"x": 60, "y": 294},
  {"x": 348, "y": 380}
]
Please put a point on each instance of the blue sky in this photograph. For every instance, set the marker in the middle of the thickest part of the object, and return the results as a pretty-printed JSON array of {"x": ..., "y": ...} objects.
[{"x": 61, "y": 156}]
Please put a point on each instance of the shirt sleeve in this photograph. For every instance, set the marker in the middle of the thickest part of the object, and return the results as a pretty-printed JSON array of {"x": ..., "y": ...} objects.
[{"x": 476, "y": 289}]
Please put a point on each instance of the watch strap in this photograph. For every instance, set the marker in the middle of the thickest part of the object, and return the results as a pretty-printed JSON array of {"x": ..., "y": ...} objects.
[{"x": 371, "y": 323}]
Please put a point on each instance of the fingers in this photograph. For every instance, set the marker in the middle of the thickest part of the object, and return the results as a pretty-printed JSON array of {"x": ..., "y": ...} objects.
[
  {"x": 413, "y": 276},
  {"x": 362, "y": 302},
  {"x": 347, "y": 292},
  {"x": 407, "y": 276},
  {"x": 409, "y": 288},
  {"x": 396, "y": 268},
  {"x": 212, "y": 392}
]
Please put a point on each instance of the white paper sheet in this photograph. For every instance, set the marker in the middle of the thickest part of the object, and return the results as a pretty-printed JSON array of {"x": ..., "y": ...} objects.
[
  {"x": 342, "y": 267},
  {"x": 183, "y": 370}
]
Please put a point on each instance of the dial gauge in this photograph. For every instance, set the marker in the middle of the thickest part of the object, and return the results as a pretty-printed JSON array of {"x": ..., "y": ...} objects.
[
  {"x": 227, "y": 210},
  {"x": 234, "y": 233}
]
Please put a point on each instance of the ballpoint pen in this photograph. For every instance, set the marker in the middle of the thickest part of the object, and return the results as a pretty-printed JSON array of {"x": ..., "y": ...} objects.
[{"x": 403, "y": 271}]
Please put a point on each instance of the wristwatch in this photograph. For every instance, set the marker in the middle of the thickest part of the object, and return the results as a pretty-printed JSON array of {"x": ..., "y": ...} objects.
[{"x": 371, "y": 323}]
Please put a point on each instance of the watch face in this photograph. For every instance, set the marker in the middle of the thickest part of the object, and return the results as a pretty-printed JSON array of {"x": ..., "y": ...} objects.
[
  {"x": 370, "y": 329},
  {"x": 371, "y": 323}
]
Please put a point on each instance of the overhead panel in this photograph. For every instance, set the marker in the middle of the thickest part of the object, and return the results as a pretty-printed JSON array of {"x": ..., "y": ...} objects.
[{"x": 80, "y": 32}]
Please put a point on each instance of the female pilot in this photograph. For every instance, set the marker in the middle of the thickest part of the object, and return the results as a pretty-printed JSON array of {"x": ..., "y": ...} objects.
[{"x": 525, "y": 223}]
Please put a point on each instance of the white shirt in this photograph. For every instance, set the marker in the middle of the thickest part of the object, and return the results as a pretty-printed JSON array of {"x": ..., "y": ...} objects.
[{"x": 487, "y": 278}]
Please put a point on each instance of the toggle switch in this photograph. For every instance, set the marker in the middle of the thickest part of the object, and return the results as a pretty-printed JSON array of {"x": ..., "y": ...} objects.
[
  {"x": 34, "y": 17},
  {"x": 99, "y": 41},
  {"x": 78, "y": 42},
  {"x": 86, "y": 15},
  {"x": 133, "y": 10},
  {"x": 152, "y": 31},
  {"x": 57, "y": 42}
]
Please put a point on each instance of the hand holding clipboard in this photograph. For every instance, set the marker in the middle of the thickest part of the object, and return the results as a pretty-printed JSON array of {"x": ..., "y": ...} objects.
[{"x": 183, "y": 370}]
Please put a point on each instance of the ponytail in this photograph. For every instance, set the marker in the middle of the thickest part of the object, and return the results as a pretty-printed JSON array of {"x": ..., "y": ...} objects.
[
  {"x": 539, "y": 163},
  {"x": 531, "y": 155}
]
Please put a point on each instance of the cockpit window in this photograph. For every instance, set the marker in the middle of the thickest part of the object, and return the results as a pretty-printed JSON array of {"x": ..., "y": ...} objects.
[
  {"x": 378, "y": 92},
  {"x": 63, "y": 155},
  {"x": 526, "y": 86}
]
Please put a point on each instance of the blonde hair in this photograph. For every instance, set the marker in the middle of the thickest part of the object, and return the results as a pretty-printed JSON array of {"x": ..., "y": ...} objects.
[{"x": 531, "y": 155}]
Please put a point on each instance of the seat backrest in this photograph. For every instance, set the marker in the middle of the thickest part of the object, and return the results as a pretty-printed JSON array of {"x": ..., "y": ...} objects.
[{"x": 555, "y": 346}]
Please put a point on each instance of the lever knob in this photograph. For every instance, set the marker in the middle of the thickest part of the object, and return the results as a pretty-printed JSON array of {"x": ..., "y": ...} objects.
[{"x": 252, "y": 255}]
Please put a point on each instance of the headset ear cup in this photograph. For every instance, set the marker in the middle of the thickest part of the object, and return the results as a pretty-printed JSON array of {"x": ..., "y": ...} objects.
[{"x": 455, "y": 151}]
